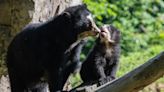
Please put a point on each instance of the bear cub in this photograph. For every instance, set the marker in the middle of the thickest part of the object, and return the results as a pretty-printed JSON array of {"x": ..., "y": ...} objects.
[{"x": 102, "y": 62}]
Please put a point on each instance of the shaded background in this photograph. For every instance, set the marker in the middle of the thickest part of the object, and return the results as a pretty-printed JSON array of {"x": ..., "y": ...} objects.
[{"x": 141, "y": 23}]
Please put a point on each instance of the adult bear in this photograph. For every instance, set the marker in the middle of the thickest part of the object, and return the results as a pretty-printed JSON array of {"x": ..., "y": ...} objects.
[{"x": 37, "y": 53}]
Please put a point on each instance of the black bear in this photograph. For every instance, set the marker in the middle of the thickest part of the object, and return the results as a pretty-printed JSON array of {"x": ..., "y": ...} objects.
[
  {"x": 102, "y": 62},
  {"x": 37, "y": 54}
]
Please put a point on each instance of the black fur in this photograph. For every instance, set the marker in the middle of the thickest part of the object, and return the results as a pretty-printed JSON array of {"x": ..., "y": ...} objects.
[
  {"x": 72, "y": 60},
  {"x": 102, "y": 62},
  {"x": 37, "y": 53}
]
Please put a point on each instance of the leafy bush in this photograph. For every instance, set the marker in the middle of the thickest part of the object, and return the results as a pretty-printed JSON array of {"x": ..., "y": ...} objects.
[{"x": 141, "y": 23}]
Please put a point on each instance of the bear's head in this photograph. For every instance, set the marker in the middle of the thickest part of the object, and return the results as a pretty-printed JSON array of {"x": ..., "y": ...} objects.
[
  {"x": 110, "y": 34},
  {"x": 81, "y": 20}
]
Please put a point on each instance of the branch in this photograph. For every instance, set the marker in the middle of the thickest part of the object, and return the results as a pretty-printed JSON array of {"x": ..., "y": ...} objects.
[{"x": 138, "y": 78}]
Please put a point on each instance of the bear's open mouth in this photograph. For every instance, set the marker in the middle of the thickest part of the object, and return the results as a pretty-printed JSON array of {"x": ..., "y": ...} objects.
[{"x": 106, "y": 34}]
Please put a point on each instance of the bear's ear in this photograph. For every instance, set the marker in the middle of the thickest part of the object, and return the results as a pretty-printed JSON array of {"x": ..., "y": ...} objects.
[{"x": 67, "y": 14}]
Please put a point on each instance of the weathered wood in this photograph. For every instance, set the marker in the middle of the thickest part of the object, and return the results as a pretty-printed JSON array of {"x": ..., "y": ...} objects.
[
  {"x": 88, "y": 88},
  {"x": 138, "y": 78}
]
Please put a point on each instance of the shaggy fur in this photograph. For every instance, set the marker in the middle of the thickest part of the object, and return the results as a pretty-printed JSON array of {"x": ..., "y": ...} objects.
[{"x": 102, "y": 62}]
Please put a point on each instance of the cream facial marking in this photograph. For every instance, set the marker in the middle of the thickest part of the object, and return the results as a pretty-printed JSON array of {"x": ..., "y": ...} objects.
[{"x": 94, "y": 26}]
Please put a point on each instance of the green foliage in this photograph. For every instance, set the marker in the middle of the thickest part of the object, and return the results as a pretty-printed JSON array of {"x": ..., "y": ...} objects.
[
  {"x": 141, "y": 23},
  {"x": 135, "y": 59}
]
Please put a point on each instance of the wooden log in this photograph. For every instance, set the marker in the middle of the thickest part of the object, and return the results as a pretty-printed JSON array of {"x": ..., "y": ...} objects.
[{"x": 138, "y": 78}]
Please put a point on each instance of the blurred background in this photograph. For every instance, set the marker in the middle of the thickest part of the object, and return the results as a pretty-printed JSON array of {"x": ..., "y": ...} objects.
[{"x": 141, "y": 23}]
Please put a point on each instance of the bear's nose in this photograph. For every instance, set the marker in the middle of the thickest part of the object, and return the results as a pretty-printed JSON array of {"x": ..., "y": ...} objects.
[{"x": 93, "y": 24}]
